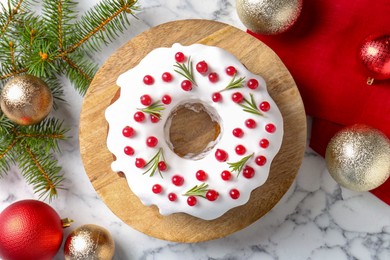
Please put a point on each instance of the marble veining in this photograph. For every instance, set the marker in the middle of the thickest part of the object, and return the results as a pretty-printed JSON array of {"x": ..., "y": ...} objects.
[{"x": 316, "y": 219}]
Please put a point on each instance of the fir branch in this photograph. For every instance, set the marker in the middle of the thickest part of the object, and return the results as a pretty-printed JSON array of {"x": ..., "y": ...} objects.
[
  {"x": 10, "y": 17},
  {"x": 238, "y": 166},
  {"x": 250, "y": 106},
  {"x": 186, "y": 70},
  {"x": 154, "y": 109},
  {"x": 152, "y": 164},
  {"x": 234, "y": 83},
  {"x": 198, "y": 190}
]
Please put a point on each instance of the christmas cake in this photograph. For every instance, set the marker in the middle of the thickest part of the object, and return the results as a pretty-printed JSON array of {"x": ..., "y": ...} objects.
[{"x": 193, "y": 130}]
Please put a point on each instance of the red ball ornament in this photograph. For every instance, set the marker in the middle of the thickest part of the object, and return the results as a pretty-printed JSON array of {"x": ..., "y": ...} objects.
[
  {"x": 30, "y": 229},
  {"x": 374, "y": 54}
]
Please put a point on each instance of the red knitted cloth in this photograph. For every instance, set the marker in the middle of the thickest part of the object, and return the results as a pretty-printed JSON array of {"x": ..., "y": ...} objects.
[{"x": 321, "y": 52}]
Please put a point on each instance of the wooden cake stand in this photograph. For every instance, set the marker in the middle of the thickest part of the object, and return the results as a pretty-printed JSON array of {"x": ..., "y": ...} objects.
[{"x": 180, "y": 227}]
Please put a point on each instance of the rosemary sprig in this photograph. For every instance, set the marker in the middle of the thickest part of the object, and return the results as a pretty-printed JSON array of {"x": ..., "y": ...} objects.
[
  {"x": 198, "y": 190},
  {"x": 154, "y": 109},
  {"x": 250, "y": 106},
  {"x": 186, "y": 70},
  {"x": 238, "y": 166},
  {"x": 152, "y": 164},
  {"x": 234, "y": 83}
]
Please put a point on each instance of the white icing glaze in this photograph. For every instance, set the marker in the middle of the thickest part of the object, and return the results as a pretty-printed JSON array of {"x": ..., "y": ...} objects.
[{"x": 120, "y": 114}]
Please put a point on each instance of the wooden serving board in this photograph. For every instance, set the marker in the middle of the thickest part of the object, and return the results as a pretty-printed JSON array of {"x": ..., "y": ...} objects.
[{"x": 180, "y": 227}]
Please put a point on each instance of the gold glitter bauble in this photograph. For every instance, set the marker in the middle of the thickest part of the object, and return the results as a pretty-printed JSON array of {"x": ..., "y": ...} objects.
[
  {"x": 90, "y": 242},
  {"x": 26, "y": 100},
  {"x": 268, "y": 16},
  {"x": 358, "y": 157}
]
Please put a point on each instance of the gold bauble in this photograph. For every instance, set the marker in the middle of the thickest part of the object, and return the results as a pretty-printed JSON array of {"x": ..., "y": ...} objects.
[
  {"x": 358, "y": 157},
  {"x": 268, "y": 16},
  {"x": 89, "y": 242},
  {"x": 26, "y": 100}
]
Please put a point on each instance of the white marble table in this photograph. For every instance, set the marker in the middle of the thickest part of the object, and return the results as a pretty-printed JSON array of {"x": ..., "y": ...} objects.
[{"x": 316, "y": 219}]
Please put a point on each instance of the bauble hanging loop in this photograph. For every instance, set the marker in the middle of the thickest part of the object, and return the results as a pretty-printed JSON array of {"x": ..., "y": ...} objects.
[
  {"x": 268, "y": 16},
  {"x": 374, "y": 54},
  {"x": 26, "y": 100},
  {"x": 358, "y": 157}
]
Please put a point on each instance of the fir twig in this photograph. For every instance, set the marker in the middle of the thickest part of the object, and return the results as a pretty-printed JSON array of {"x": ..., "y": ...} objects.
[
  {"x": 198, "y": 190},
  {"x": 186, "y": 70},
  {"x": 250, "y": 106},
  {"x": 152, "y": 164},
  {"x": 154, "y": 109},
  {"x": 238, "y": 166},
  {"x": 234, "y": 83}
]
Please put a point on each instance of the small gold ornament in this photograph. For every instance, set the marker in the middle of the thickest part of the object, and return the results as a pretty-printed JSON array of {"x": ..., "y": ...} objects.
[
  {"x": 89, "y": 242},
  {"x": 358, "y": 157},
  {"x": 26, "y": 100},
  {"x": 268, "y": 16}
]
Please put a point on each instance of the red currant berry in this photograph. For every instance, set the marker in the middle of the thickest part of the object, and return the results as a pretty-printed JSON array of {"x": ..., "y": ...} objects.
[
  {"x": 151, "y": 141},
  {"x": 146, "y": 100},
  {"x": 217, "y": 97},
  {"x": 201, "y": 175},
  {"x": 221, "y": 155},
  {"x": 172, "y": 196},
  {"x": 202, "y": 67},
  {"x": 231, "y": 70},
  {"x": 186, "y": 85},
  {"x": 248, "y": 172},
  {"x": 270, "y": 128},
  {"x": 177, "y": 180},
  {"x": 250, "y": 123},
  {"x": 226, "y": 175},
  {"x": 264, "y": 106},
  {"x": 154, "y": 119},
  {"x": 240, "y": 149},
  {"x": 148, "y": 80},
  {"x": 129, "y": 150},
  {"x": 260, "y": 160},
  {"x": 234, "y": 194},
  {"x": 180, "y": 57},
  {"x": 128, "y": 131},
  {"x": 237, "y": 97},
  {"x": 139, "y": 116},
  {"x": 237, "y": 132},
  {"x": 252, "y": 84},
  {"x": 157, "y": 188},
  {"x": 140, "y": 163},
  {"x": 166, "y": 77},
  {"x": 166, "y": 99},
  {"x": 191, "y": 201},
  {"x": 264, "y": 143},
  {"x": 162, "y": 166},
  {"x": 212, "y": 195},
  {"x": 213, "y": 77}
]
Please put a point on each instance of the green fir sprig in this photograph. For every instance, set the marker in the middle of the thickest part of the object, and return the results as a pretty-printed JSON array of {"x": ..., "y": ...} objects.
[
  {"x": 198, "y": 190},
  {"x": 234, "y": 83},
  {"x": 154, "y": 109},
  {"x": 238, "y": 166},
  {"x": 56, "y": 42},
  {"x": 186, "y": 70},
  {"x": 152, "y": 164},
  {"x": 250, "y": 106}
]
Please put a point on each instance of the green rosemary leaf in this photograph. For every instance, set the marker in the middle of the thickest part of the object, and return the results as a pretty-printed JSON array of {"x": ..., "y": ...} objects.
[
  {"x": 238, "y": 166},
  {"x": 152, "y": 164},
  {"x": 198, "y": 190},
  {"x": 186, "y": 70},
  {"x": 234, "y": 83},
  {"x": 154, "y": 109},
  {"x": 250, "y": 106}
]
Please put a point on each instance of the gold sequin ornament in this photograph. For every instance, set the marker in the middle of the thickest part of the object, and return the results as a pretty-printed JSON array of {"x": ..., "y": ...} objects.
[
  {"x": 89, "y": 242},
  {"x": 26, "y": 100},
  {"x": 358, "y": 157},
  {"x": 268, "y": 16}
]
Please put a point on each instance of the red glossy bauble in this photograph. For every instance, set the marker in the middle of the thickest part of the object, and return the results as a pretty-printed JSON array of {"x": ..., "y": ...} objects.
[
  {"x": 374, "y": 53},
  {"x": 29, "y": 229}
]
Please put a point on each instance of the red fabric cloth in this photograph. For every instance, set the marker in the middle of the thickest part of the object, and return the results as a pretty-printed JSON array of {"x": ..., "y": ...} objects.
[{"x": 321, "y": 52}]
